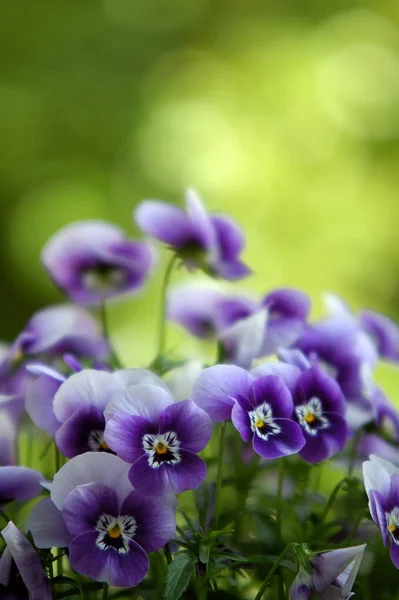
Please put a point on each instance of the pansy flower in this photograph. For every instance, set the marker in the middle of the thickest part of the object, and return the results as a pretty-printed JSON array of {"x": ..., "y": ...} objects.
[
  {"x": 320, "y": 411},
  {"x": 19, "y": 483},
  {"x": 261, "y": 409},
  {"x": 160, "y": 438},
  {"x": 92, "y": 261},
  {"x": 381, "y": 480},
  {"x": 108, "y": 527},
  {"x": 79, "y": 406},
  {"x": 331, "y": 575},
  {"x": 22, "y": 576},
  {"x": 210, "y": 242}
]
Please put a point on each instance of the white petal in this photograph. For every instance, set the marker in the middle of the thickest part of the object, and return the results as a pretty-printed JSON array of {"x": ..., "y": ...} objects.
[
  {"x": 144, "y": 400},
  {"x": 246, "y": 337},
  {"x": 47, "y": 526},
  {"x": 130, "y": 377}
]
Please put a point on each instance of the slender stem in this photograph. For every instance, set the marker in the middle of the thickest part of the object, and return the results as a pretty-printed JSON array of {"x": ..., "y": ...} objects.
[
  {"x": 332, "y": 498},
  {"x": 4, "y": 516},
  {"x": 168, "y": 554},
  {"x": 104, "y": 320},
  {"x": 219, "y": 474},
  {"x": 164, "y": 289},
  {"x": 60, "y": 556},
  {"x": 105, "y": 591},
  {"x": 280, "y": 483},
  {"x": 272, "y": 571},
  {"x": 355, "y": 527}
]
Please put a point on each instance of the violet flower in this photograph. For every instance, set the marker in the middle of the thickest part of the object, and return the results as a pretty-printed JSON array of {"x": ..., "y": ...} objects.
[
  {"x": 31, "y": 582},
  {"x": 210, "y": 242},
  {"x": 384, "y": 331},
  {"x": 159, "y": 438},
  {"x": 332, "y": 575},
  {"x": 19, "y": 483},
  {"x": 260, "y": 409},
  {"x": 320, "y": 411},
  {"x": 108, "y": 527},
  {"x": 79, "y": 406},
  {"x": 92, "y": 261},
  {"x": 381, "y": 480}
]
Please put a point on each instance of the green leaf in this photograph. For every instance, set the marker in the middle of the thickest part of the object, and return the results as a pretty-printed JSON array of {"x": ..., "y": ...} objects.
[{"x": 178, "y": 576}]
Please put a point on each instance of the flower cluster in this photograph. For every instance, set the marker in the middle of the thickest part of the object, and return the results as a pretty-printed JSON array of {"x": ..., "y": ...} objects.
[{"x": 246, "y": 436}]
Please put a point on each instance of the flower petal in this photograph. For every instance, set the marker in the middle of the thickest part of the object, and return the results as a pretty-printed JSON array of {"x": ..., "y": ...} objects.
[
  {"x": 192, "y": 424},
  {"x": 47, "y": 525}
]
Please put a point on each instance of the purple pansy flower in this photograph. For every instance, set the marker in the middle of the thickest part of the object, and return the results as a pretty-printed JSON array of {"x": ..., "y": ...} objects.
[
  {"x": 319, "y": 409},
  {"x": 31, "y": 582},
  {"x": 384, "y": 331},
  {"x": 91, "y": 261},
  {"x": 332, "y": 575},
  {"x": 381, "y": 480},
  {"x": 211, "y": 242},
  {"x": 160, "y": 438},
  {"x": 79, "y": 406},
  {"x": 261, "y": 409},
  {"x": 108, "y": 527},
  {"x": 19, "y": 483}
]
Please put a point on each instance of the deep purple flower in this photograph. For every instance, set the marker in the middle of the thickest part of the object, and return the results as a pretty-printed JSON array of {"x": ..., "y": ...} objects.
[
  {"x": 108, "y": 527},
  {"x": 381, "y": 480},
  {"x": 31, "y": 582},
  {"x": 319, "y": 409},
  {"x": 91, "y": 261},
  {"x": 19, "y": 483},
  {"x": 159, "y": 438},
  {"x": 384, "y": 331},
  {"x": 210, "y": 242},
  {"x": 331, "y": 575},
  {"x": 79, "y": 406}
]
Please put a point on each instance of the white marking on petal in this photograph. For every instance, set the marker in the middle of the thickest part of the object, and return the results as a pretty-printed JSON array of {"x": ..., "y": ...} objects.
[
  {"x": 115, "y": 532},
  {"x": 311, "y": 417},
  {"x": 162, "y": 448},
  {"x": 262, "y": 422}
]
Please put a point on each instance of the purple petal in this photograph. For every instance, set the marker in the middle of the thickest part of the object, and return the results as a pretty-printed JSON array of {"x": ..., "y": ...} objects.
[
  {"x": 165, "y": 222},
  {"x": 241, "y": 422},
  {"x": 28, "y": 563},
  {"x": 124, "y": 570},
  {"x": 328, "y": 566},
  {"x": 384, "y": 331},
  {"x": 91, "y": 467},
  {"x": 289, "y": 441},
  {"x": 47, "y": 525},
  {"x": 85, "y": 504},
  {"x": 272, "y": 389},
  {"x": 295, "y": 358},
  {"x": 192, "y": 424},
  {"x": 232, "y": 270},
  {"x": 289, "y": 373},
  {"x": 326, "y": 442},
  {"x": 8, "y": 439},
  {"x": 39, "y": 403},
  {"x": 230, "y": 309},
  {"x": 188, "y": 474},
  {"x": 230, "y": 238},
  {"x": 85, "y": 389},
  {"x": 281, "y": 333},
  {"x": 194, "y": 309},
  {"x": 216, "y": 387},
  {"x": 205, "y": 232},
  {"x": 316, "y": 383},
  {"x": 288, "y": 302},
  {"x": 124, "y": 434},
  {"x": 19, "y": 483},
  {"x": 155, "y": 519},
  {"x": 395, "y": 555},
  {"x": 144, "y": 400},
  {"x": 148, "y": 480},
  {"x": 73, "y": 437},
  {"x": 244, "y": 339},
  {"x": 302, "y": 587}
]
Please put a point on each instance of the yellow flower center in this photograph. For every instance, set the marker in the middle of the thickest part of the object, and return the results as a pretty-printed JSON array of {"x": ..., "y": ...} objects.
[
  {"x": 259, "y": 423},
  {"x": 115, "y": 532},
  {"x": 161, "y": 448},
  {"x": 310, "y": 418},
  {"x": 104, "y": 445},
  {"x": 392, "y": 528}
]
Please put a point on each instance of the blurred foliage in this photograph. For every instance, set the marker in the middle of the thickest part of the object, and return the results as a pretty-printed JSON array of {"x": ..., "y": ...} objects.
[{"x": 285, "y": 114}]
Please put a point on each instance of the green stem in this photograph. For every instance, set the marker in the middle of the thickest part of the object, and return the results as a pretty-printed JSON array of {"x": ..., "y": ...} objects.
[
  {"x": 164, "y": 289},
  {"x": 168, "y": 554},
  {"x": 4, "y": 516},
  {"x": 279, "y": 521},
  {"x": 60, "y": 556},
  {"x": 105, "y": 591},
  {"x": 332, "y": 498},
  {"x": 272, "y": 571},
  {"x": 104, "y": 320},
  {"x": 219, "y": 474},
  {"x": 355, "y": 527}
]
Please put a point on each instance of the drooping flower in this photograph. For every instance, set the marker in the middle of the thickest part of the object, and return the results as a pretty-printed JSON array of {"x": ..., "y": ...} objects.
[
  {"x": 80, "y": 402},
  {"x": 331, "y": 575},
  {"x": 160, "y": 438},
  {"x": 381, "y": 480},
  {"x": 29, "y": 582},
  {"x": 19, "y": 483},
  {"x": 261, "y": 409},
  {"x": 92, "y": 261},
  {"x": 108, "y": 527},
  {"x": 320, "y": 411},
  {"x": 210, "y": 242}
]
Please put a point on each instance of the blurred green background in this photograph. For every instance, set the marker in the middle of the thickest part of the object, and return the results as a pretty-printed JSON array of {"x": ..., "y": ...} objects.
[{"x": 283, "y": 113}]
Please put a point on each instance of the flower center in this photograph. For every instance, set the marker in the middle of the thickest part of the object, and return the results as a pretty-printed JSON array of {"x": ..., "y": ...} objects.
[
  {"x": 97, "y": 443},
  {"x": 115, "y": 532},
  {"x": 393, "y": 524},
  {"x": 102, "y": 277},
  {"x": 162, "y": 448},
  {"x": 262, "y": 422},
  {"x": 311, "y": 418}
]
